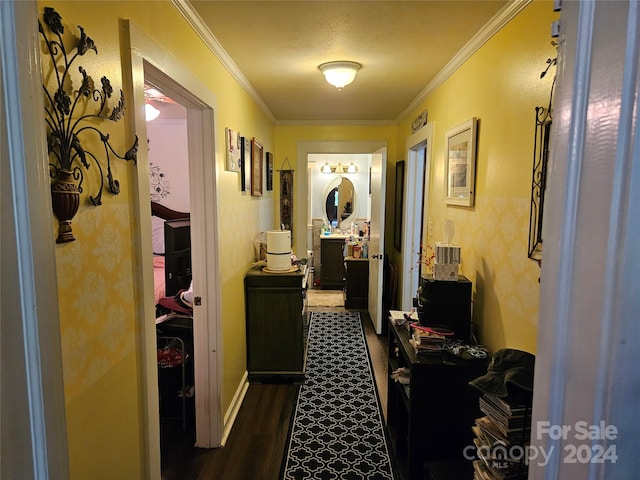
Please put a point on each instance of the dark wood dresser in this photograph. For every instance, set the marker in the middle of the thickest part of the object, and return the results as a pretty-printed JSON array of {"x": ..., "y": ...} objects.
[{"x": 277, "y": 324}]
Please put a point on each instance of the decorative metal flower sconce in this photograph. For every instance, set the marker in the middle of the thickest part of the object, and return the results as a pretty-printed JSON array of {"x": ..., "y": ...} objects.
[
  {"x": 544, "y": 119},
  {"x": 66, "y": 132}
]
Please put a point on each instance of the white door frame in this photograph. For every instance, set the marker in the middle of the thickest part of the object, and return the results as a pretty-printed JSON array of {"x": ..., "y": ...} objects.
[
  {"x": 415, "y": 212},
  {"x": 33, "y": 434},
  {"x": 303, "y": 150},
  {"x": 148, "y": 59},
  {"x": 588, "y": 330}
]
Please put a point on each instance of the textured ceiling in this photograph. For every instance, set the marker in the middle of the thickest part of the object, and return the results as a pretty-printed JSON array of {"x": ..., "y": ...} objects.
[{"x": 402, "y": 46}]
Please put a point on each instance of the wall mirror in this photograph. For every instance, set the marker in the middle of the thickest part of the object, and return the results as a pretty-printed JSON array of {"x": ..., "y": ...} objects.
[{"x": 340, "y": 203}]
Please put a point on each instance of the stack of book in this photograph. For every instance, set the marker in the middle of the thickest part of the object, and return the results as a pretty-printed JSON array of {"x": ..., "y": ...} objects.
[
  {"x": 501, "y": 438},
  {"x": 425, "y": 341}
]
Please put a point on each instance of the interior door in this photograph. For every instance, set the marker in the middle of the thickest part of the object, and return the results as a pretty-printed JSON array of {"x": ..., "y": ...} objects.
[{"x": 376, "y": 242}]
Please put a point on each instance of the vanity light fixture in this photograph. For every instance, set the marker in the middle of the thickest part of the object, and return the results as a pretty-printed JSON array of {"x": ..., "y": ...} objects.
[
  {"x": 339, "y": 168},
  {"x": 339, "y": 74}
]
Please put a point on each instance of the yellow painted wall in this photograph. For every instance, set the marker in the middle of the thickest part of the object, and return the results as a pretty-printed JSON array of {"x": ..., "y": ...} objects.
[
  {"x": 500, "y": 85},
  {"x": 96, "y": 273}
]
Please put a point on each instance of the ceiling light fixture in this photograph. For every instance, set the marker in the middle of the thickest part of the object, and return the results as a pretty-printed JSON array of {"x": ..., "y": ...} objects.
[
  {"x": 150, "y": 112},
  {"x": 339, "y": 74}
]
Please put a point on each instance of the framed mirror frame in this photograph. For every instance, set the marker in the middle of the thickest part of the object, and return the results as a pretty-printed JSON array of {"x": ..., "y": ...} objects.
[{"x": 334, "y": 184}]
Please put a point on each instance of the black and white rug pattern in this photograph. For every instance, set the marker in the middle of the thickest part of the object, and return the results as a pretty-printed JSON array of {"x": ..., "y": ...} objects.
[{"x": 337, "y": 430}]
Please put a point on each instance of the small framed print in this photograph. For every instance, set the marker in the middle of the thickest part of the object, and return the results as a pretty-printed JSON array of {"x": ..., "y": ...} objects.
[
  {"x": 269, "y": 160},
  {"x": 256, "y": 167},
  {"x": 232, "y": 140},
  {"x": 460, "y": 164},
  {"x": 245, "y": 164}
]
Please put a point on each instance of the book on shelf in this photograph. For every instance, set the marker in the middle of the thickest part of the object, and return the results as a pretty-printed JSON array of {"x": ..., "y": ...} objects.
[
  {"x": 496, "y": 459},
  {"x": 513, "y": 405},
  {"x": 483, "y": 472},
  {"x": 422, "y": 337},
  {"x": 507, "y": 422},
  {"x": 497, "y": 434}
]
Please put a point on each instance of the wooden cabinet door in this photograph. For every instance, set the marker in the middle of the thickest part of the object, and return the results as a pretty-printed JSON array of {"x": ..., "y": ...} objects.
[
  {"x": 332, "y": 264},
  {"x": 274, "y": 330}
]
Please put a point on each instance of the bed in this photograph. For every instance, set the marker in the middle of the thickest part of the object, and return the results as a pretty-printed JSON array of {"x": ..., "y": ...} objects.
[{"x": 171, "y": 250}]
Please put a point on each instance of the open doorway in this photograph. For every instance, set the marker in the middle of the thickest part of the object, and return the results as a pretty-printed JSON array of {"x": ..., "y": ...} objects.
[
  {"x": 375, "y": 192},
  {"x": 168, "y": 156},
  {"x": 197, "y": 128},
  {"x": 415, "y": 231}
]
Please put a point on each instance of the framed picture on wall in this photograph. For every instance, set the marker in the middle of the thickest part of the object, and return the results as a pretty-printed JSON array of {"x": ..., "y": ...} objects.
[
  {"x": 269, "y": 160},
  {"x": 399, "y": 205},
  {"x": 460, "y": 164},
  {"x": 256, "y": 167},
  {"x": 245, "y": 164}
]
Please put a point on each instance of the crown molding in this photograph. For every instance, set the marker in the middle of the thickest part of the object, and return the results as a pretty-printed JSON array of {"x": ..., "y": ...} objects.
[
  {"x": 336, "y": 122},
  {"x": 200, "y": 27},
  {"x": 502, "y": 18}
]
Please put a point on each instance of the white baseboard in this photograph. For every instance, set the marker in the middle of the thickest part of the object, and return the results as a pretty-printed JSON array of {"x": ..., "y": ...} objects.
[{"x": 232, "y": 412}]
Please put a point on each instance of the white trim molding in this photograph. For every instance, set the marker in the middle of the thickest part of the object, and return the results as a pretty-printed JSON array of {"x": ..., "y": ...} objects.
[
  {"x": 33, "y": 435},
  {"x": 586, "y": 377}
]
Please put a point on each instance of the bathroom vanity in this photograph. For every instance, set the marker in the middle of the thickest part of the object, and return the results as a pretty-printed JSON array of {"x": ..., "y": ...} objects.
[{"x": 356, "y": 283}]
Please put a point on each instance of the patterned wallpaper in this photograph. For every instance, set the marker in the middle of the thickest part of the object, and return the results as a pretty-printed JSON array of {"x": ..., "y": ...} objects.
[{"x": 97, "y": 301}]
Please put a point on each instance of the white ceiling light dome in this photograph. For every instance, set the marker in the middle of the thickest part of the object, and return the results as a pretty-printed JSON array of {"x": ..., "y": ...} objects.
[{"x": 340, "y": 74}]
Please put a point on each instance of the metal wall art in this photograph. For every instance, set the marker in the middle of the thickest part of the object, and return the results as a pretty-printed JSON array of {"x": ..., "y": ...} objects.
[
  {"x": 66, "y": 132},
  {"x": 542, "y": 136}
]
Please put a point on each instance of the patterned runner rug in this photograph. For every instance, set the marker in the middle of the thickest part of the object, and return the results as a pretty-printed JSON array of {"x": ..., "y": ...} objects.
[{"x": 337, "y": 430}]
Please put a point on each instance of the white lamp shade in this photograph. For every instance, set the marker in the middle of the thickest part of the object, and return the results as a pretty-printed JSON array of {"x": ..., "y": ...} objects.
[
  {"x": 150, "y": 112},
  {"x": 339, "y": 74}
]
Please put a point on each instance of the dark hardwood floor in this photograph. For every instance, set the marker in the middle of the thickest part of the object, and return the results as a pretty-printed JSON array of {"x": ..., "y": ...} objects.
[{"x": 257, "y": 442}]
